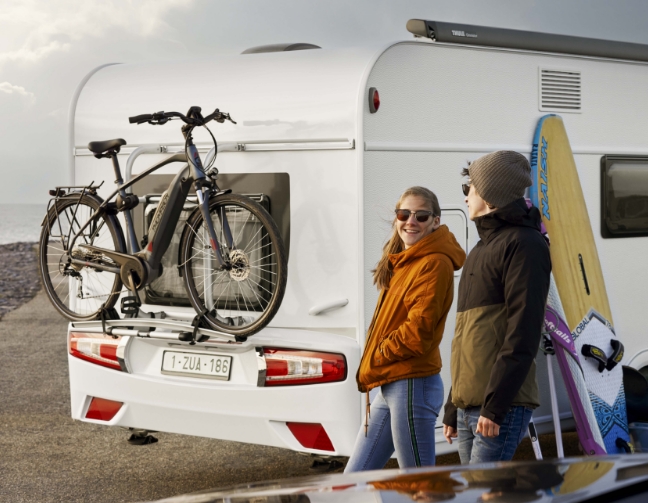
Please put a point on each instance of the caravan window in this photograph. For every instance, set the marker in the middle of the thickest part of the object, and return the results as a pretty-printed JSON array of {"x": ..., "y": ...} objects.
[{"x": 624, "y": 196}]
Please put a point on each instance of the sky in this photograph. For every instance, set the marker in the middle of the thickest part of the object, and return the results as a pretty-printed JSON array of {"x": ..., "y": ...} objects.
[{"x": 48, "y": 46}]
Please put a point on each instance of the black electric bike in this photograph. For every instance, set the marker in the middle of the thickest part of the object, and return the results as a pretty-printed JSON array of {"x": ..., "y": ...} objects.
[{"x": 231, "y": 256}]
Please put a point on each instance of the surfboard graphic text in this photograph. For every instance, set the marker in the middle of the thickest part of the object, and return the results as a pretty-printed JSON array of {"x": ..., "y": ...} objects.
[{"x": 544, "y": 183}]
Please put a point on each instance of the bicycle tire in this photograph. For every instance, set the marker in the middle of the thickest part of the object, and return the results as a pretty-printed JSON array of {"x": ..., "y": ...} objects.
[
  {"x": 102, "y": 288},
  {"x": 243, "y": 300}
]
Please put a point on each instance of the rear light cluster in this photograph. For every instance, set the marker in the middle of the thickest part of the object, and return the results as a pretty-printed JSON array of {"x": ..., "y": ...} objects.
[
  {"x": 100, "y": 349},
  {"x": 289, "y": 367}
]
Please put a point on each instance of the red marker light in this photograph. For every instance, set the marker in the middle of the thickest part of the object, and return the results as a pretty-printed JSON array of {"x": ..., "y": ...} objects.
[{"x": 374, "y": 100}]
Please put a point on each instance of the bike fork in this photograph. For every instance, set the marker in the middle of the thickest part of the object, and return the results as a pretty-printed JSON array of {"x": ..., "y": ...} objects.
[{"x": 203, "y": 202}]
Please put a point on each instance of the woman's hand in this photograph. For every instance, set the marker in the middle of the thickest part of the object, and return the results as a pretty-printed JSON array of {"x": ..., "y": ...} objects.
[{"x": 449, "y": 433}]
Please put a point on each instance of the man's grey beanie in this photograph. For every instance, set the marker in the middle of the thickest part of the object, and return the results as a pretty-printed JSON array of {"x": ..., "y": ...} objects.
[{"x": 500, "y": 177}]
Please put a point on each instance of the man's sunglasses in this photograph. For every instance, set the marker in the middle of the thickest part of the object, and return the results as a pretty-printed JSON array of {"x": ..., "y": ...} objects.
[
  {"x": 421, "y": 216},
  {"x": 466, "y": 189}
]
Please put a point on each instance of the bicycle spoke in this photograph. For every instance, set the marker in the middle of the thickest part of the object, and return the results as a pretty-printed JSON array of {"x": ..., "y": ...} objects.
[
  {"x": 262, "y": 258},
  {"x": 255, "y": 294}
]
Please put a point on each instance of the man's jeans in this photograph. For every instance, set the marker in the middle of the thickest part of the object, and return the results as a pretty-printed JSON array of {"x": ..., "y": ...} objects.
[
  {"x": 403, "y": 417},
  {"x": 474, "y": 448}
]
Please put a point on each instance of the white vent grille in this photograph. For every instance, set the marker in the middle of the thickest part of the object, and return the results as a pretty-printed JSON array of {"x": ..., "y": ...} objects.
[{"x": 560, "y": 90}]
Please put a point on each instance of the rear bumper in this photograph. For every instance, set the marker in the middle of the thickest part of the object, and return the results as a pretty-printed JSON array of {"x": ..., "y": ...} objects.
[{"x": 236, "y": 410}]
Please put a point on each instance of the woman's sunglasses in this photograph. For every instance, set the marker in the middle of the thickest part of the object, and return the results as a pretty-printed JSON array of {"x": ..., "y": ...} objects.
[
  {"x": 466, "y": 189},
  {"x": 421, "y": 216}
]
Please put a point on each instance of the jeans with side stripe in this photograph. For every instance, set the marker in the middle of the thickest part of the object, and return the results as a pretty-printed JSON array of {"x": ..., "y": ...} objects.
[{"x": 403, "y": 418}]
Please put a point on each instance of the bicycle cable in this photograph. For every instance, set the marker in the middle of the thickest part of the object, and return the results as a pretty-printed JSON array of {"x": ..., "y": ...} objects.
[{"x": 204, "y": 169}]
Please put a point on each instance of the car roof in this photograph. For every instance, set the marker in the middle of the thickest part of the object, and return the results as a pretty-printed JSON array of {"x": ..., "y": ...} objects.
[{"x": 573, "y": 479}]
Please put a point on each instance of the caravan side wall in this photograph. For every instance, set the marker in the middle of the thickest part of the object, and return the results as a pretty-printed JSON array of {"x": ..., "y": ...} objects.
[{"x": 444, "y": 105}]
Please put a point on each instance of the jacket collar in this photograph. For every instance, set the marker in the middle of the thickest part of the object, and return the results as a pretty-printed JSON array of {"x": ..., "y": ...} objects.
[
  {"x": 515, "y": 214},
  {"x": 436, "y": 242}
]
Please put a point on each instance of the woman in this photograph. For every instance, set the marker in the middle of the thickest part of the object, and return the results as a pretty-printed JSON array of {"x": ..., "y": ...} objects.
[{"x": 416, "y": 280}]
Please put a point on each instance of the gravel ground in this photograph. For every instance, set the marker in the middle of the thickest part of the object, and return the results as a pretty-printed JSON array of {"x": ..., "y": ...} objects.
[
  {"x": 45, "y": 456},
  {"x": 19, "y": 280}
]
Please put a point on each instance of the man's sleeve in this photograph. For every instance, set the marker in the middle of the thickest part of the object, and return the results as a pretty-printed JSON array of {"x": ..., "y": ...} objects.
[
  {"x": 424, "y": 301},
  {"x": 526, "y": 284},
  {"x": 450, "y": 414}
]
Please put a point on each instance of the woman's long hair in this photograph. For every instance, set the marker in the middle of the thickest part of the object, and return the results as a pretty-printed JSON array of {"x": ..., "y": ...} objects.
[{"x": 383, "y": 272}]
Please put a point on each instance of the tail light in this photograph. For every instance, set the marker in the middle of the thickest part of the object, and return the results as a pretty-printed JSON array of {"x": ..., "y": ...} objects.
[
  {"x": 311, "y": 436},
  {"x": 290, "y": 367},
  {"x": 102, "y": 409},
  {"x": 100, "y": 349}
]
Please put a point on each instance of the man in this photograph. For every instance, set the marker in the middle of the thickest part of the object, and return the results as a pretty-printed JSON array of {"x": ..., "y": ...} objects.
[{"x": 502, "y": 295}]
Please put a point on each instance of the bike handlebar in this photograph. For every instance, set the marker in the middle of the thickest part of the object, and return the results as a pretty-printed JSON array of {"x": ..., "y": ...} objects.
[
  {"x": 193, "y": 117},
  {"x": 140, "y": 118}
]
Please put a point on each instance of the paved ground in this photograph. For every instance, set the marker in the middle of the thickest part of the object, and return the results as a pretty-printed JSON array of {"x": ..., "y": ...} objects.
[{"x": 47, "y": 457}]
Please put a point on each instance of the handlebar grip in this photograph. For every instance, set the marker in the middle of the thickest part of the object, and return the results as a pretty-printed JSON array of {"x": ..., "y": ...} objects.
[{"x": 140, "y": 118}]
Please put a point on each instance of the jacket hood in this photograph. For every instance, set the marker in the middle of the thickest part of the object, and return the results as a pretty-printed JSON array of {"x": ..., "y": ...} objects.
[
  {"x": 440, "y": 241},
  {"x": 515, "y": 213}
]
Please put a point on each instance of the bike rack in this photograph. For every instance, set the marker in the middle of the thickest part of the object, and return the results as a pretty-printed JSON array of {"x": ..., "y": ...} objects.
[
  {"x": 163, "y": 149},
  {"x": 148, "y": 328}
]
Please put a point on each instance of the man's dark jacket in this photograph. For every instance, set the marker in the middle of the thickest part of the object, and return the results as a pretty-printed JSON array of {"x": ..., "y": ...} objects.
[{"x": 502, "y": 295}]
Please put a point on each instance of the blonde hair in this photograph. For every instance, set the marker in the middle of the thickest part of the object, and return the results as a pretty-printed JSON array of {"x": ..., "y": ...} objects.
[{"x": 383, "y": 272}]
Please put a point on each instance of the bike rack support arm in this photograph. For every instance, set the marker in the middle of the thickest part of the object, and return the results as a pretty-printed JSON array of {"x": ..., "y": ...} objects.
[
  {"x": 144, "y": 149},
  {"x": 223, "y": 147}
]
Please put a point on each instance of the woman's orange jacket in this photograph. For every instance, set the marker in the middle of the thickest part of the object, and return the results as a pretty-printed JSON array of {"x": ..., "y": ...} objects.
[{"x": 404, "y": 336}]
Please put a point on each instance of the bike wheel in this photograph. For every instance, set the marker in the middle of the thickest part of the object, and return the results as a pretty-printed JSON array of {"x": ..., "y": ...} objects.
[
  {"x": 78, "y": 293},
  {"x": 242, "y": 299}
]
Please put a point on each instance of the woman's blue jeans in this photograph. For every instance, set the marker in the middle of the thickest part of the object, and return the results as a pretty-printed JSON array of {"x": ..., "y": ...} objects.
[
  {"x": 474, "y": 448},
  {"x": 402, "y": 419}
]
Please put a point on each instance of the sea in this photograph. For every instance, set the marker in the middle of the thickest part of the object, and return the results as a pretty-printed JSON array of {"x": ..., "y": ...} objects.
[{"x": 20, "y": 222}]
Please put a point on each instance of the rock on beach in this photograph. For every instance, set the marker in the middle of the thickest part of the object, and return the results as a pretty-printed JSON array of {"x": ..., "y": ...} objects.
[{"x": 19, "y": 280}]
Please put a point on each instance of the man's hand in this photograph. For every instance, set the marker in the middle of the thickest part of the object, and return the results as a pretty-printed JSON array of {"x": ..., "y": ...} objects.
[
  {"x": 486, "y": 427},
  {"x": 449, "y": 433}
]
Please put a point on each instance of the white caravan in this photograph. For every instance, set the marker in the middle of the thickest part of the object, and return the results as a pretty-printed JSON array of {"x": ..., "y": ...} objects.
[{"x": 331, "y": 156}]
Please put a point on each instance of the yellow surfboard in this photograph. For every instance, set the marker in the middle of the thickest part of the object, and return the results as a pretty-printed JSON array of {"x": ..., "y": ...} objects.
[
  {"x": 575, "y": 261},
  {"x": 581, "y": 299}
]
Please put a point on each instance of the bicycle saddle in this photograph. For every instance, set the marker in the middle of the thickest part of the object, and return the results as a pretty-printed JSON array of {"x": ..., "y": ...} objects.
[{"x": 101, "y": 147}]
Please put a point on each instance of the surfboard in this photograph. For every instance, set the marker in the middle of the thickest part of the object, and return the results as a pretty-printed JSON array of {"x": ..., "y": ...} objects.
[{"x": 590, "y": 350}]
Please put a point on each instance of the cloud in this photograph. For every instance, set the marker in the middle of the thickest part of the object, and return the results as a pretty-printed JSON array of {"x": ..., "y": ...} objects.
[
  {"x": 8, "y": 88},
  {"x": 31, "y": 30}
]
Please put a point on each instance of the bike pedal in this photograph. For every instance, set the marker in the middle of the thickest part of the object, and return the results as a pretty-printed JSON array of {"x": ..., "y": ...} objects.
[{"x": 130, "y": 305}]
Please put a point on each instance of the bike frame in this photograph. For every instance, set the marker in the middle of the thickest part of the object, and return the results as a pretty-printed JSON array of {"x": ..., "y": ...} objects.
[{"x": 168, "y": 211}]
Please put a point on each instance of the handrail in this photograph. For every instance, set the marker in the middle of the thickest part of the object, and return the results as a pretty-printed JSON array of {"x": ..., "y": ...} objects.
[{"x": 328, "y": 306}]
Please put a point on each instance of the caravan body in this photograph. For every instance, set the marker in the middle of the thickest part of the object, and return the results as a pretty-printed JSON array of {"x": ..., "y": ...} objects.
[{"x": 332, "y": 171}]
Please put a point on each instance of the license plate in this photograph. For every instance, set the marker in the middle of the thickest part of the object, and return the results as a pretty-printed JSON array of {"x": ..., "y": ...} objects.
[{"x": 203, "y": 365}]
